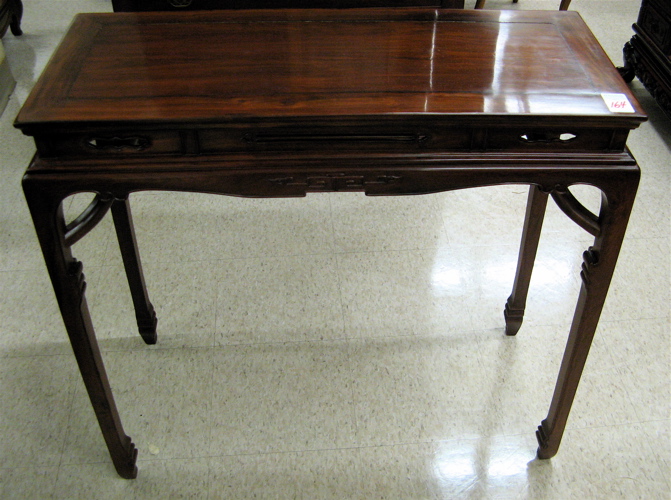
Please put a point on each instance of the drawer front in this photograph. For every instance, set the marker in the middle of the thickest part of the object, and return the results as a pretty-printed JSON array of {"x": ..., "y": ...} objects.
[
  {"x": 380, "y": 139},
  {"x": 336, "y": 139},
  {"x": 554, "y": 139},
  {"x": 117, "y": 143}
]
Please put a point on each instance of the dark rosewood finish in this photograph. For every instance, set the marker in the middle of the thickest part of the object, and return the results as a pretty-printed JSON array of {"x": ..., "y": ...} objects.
[{"x": 388, "y": 102}]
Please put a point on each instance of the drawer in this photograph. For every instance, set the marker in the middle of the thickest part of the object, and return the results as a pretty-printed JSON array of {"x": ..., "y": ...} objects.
[
  {"x": 345, "y": 139},
  {"x": 554, "y": 139},
  {"x": 110, "y": 143}
]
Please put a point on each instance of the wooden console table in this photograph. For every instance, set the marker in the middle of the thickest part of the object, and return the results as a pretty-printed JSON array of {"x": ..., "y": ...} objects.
[{"x": 388, "y": 102}]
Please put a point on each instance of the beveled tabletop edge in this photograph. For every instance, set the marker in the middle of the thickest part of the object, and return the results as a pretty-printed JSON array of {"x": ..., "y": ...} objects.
[{"x": 86, "y": 26}]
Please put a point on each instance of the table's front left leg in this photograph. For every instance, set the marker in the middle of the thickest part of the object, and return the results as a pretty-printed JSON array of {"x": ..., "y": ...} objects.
[
  {"x": 597, "y": 272},
  {"x": 144, "y": 310},
  {"x": 68, "y": 281}
]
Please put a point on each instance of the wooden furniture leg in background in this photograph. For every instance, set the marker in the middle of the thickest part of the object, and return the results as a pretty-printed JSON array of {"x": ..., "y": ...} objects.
[
  {"x": 144, "y": 310},
  {"x": 597, "y": 272},
  {"x": 11, "y": 12},
  {"x": 533, "y": 223},
  {"x": 67, "y": 279}
]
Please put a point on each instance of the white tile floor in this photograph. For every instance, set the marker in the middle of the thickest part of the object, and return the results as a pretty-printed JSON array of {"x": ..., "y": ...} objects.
[{"x": 337, "y": 346}]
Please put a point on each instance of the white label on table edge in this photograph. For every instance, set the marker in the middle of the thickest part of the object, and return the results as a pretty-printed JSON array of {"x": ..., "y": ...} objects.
[{"x": 617, "y": 103}]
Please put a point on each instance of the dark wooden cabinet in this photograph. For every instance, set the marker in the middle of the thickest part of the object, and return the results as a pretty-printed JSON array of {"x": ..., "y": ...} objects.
[
  {"x": 648, "y": 54},
  {"x": 10, "y": 16}
]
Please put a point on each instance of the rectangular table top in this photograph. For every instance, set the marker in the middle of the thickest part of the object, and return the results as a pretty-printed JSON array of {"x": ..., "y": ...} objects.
[{"x": 206, "y": 67}]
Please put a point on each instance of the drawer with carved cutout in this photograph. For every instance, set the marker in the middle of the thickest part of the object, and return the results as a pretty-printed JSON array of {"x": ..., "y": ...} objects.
[
  {"x": 110, "y": 143},
  {"x": 555, "y": 139}
]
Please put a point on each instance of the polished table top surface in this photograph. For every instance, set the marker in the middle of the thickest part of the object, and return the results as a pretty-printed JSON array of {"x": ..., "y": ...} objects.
[{"x": 163, "y": 68}]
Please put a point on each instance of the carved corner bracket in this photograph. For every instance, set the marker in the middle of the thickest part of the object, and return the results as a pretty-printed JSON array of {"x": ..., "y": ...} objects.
[
  {"x": 88, "y": 219},
  {"x": 575, "y": 210}
]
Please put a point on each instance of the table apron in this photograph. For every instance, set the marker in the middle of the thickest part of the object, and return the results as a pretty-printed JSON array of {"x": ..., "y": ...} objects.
[{"x": 398, "y": 177}]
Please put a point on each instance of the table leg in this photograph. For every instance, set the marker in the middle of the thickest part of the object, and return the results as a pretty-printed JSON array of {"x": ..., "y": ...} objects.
[
  {"x": 69, "y": 286},
  {"x": 144, "y": 310},
  {"x": 597, "y": 272},
  {"x": 533, "y": 223}
]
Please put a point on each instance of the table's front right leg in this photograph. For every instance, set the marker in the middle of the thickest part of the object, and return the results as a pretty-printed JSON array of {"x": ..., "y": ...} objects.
[
  {"x": 69, "y": 286},
  {"x": 597, "y": 272}
]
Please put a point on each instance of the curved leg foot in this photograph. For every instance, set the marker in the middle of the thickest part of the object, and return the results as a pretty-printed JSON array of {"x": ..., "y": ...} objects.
[
  {"x": 15, "y": 27},
  {"x": 147, "y": 326},
  {"x": 126, "y": 465},
  {"x": 15, "y": 23},
  {"x": 628, "y": 71},
  {"x": 627, "y": 74},
  {"x": 513, "y": 317},
  {"x": 545, "y": 449}
]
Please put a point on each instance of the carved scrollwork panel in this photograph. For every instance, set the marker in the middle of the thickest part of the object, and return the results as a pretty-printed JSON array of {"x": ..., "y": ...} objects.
[
  {"x": 591, "y": 260},
  {"x": 180, "y": 4},
  {"x": 137, "y": 143},
  {"x": 547, "y": 137},
  {"x": 334, "y": 182},
  {"x": 88, "y": 219}
]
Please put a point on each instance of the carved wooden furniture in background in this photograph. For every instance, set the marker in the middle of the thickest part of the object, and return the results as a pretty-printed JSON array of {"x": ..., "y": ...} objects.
[
  {"x": 564, "y": 4},
  {"x": 11, "y": 12},
  {"x": 648, "y": 54},
  {"x": 181, "y": 5},
  {"x": 388, "y": 102}
]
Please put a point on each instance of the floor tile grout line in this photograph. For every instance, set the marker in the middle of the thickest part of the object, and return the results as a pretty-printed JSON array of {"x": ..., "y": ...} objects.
[
  {"x": 343, "y": 317},
  {"x": 68, "y": 427}
]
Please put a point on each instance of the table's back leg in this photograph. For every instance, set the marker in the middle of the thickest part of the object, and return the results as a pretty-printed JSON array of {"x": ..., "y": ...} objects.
[
  {"x": 533, "y": 223},
  {"x": 144, "y": 310},
  {"x": 69, "y": 286},
  {"x": 597, "y": 272}
]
